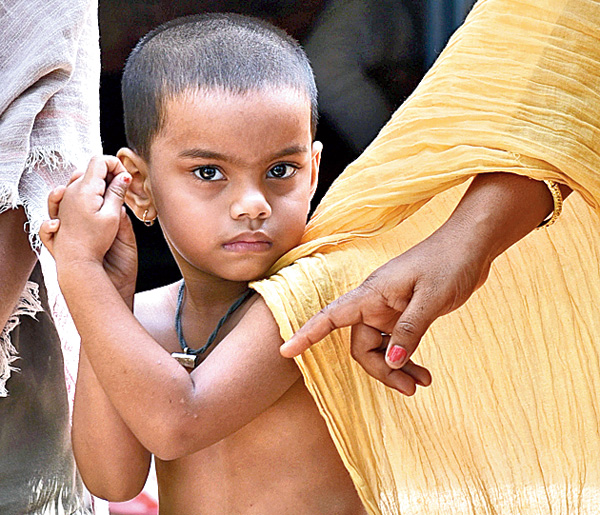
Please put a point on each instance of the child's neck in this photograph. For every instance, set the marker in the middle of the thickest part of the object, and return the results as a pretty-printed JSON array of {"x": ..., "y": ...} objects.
[
  {"x": 204, "y": 304},
  {"x": 203, "y": 297}
]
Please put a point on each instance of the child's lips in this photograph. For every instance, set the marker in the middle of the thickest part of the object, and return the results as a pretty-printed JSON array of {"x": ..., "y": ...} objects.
[
  {"x": 249, "y": 243},
  {"x": 248, "y": 246}
]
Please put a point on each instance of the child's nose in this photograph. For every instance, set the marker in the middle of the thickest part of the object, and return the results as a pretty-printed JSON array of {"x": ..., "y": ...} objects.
[{"x": 251, "y": 203}]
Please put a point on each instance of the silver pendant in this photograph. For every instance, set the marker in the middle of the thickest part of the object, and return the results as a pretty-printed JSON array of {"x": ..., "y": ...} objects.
[{"x": 185, "y": 360}]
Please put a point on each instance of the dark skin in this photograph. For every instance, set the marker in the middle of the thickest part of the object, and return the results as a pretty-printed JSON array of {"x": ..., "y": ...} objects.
[
  {"x": 407, "y": 294},
  {"x": 471, "y": 217},
  {"x": 16, "y": 260}
]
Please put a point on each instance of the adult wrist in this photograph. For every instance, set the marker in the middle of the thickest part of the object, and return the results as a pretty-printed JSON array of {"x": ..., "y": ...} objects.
[
  {"x": 557, "y": 198},
  {"x": 469, "y": 239},
  {"x": 499, "y": 209}
]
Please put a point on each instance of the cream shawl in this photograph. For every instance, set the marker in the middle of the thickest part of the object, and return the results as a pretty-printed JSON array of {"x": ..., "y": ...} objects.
[
  {"x": 49, "y": 104},
  {"x": 49, "y": 114},
  {"x": 510, "y": 424}
]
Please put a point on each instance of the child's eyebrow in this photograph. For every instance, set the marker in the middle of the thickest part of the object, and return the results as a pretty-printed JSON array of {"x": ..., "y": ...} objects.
[
  {"x": 200, "y": 152},
  {"x": 294, "y": 149},
  {"x": 210, "y": 154}
]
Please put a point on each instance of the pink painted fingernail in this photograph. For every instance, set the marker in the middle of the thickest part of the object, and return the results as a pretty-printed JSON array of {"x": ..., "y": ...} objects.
[{"x": 397, "y": 353}]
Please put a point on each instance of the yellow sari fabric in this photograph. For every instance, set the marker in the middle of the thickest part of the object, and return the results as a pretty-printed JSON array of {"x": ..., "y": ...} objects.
[{"x": 511, "y": 423}]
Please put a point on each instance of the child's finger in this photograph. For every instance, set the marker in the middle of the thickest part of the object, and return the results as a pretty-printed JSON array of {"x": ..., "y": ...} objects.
[
  {"x": 54, "y": 199},
  {"x": 76, "y": 175},
  {"x": 115, "y": 192},
  {"x": 115, "y": 167},
  {"x": 47, "y": 231},
  {"x": 125, "y": 235},
  {"x": 101, "y": 167}
]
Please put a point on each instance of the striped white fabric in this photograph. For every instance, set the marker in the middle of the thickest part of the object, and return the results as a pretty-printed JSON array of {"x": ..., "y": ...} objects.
[
  {"x": 49, "y": 100},
  {"x": 49, "y": 107}
]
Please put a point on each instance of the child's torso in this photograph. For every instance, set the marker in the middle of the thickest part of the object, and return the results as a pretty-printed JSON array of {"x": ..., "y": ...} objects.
[{"x": 284, "y": 461}]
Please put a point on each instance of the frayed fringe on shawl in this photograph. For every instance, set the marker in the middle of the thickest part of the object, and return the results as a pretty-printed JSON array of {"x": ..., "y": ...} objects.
[
  {"x": 9, "y": 197},
  {"x": 29, "y": 304},
  {"x": 51, "y": 496},
  {"x": 55, "y": 169},
  {"x": 51, "y": 165}
]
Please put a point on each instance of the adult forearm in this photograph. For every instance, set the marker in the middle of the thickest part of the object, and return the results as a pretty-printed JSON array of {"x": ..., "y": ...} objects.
[
  {"x": 498, "y": 210},
  {"x": 436, "y": 276},
  {"x": 16, "y": 260}
]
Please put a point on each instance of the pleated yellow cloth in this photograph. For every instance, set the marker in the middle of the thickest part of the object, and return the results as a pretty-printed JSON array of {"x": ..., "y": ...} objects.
[{"x": 511, "y": 423}]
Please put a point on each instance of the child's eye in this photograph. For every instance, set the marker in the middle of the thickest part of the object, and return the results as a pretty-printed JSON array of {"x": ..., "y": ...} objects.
[
  {"x": 208, "y": 173},
  {"x": 281, "y": 171}
]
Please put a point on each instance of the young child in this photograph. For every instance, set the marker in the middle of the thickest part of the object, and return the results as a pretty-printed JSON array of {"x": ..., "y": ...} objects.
[{"x": 220, "y": 117}]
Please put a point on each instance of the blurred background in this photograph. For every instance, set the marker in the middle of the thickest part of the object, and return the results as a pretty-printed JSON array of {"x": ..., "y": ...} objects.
[{"x": 368, "y": 56}]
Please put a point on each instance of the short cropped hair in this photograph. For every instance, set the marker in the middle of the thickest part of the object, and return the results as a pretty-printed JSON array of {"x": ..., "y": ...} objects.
[{"x": 215, "y": 50}]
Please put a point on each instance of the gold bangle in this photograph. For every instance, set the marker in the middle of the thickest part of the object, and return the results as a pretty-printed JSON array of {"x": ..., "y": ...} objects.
[{"x": 558, "y": 204}]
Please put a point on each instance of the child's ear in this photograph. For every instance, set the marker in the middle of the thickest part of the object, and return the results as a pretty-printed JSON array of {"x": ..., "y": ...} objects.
[
  {"x": 317, "y": 148},
  {"x": 139, "y": 194}
]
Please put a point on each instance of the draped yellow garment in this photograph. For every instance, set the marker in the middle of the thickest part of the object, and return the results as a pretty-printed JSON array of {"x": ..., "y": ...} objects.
[{"x": 511, "y": 422}]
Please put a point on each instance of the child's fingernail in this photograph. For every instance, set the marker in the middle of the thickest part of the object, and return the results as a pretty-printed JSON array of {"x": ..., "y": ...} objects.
[
  {"x": 126, "y": 179},
  {"x": 397, "y": 353}
]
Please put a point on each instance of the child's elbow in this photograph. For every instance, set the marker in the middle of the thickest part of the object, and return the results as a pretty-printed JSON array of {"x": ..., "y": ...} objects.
[
  {"x": 174, "y": 441},
  {"x": 114, "y": 483},
  {"x": 114, "y": 491},
  {"x": 173, "y": 450}
]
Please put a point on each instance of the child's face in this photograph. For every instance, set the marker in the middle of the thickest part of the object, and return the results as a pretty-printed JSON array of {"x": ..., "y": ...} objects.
[{"x": 231, "y": 178}]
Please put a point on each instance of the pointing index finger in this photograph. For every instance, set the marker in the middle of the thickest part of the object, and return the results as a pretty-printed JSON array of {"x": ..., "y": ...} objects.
[{"x": 343, "y": 312}]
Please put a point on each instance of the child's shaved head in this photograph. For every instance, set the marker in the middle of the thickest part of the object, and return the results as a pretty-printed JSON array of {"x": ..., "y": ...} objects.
[{"x": 224, "y": 51}]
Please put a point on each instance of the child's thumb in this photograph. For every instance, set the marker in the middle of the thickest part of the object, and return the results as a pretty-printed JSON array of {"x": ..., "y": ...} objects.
[
  {"x": 47, "y": 231},
  {"x": 115, "y": 192}
]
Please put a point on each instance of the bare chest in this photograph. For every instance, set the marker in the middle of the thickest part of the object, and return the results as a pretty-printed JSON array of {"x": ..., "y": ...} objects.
[{"x": 284, "y": 458}]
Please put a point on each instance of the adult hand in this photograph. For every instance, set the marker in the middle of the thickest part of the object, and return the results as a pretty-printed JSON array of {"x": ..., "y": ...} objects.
[
  {"x": 435, "y": 277},
  {"x": 402, "y": 298}
]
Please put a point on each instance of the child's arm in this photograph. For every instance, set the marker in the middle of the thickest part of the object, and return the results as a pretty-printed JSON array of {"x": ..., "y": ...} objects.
[
  {"x": 112, "y": 462},
  {"x": 172, "y": 413}
]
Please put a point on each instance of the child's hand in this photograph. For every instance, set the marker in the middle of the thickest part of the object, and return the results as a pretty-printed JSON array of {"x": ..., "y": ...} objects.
[{"x": 93, "y": 225}]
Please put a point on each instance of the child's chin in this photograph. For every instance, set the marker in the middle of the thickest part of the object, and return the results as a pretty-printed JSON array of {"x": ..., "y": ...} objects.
[{"x": 246, "y": 275}]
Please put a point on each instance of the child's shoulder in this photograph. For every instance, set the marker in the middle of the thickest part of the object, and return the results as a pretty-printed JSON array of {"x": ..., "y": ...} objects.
[{"x": 155, "y": 310}]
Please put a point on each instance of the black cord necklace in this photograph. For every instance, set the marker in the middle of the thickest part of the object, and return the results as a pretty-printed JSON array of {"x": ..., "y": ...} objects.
[{"x": 188, "y": 358}]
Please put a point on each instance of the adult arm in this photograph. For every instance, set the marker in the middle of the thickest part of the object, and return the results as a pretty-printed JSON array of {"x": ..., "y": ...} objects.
[
  {"x": 435, "y": 277},
  {"x": 16, "y": 260}
]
